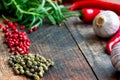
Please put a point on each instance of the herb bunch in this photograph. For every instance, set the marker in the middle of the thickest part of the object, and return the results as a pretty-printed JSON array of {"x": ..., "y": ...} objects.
[{"x": 33, "y": 12}]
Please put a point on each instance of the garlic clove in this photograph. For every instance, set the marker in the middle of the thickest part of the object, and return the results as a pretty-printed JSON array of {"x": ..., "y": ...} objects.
[
  {"x": 117, "y": 66},
  {"x": 115, "y": 56},
  {"x": 106, "y": 24}
]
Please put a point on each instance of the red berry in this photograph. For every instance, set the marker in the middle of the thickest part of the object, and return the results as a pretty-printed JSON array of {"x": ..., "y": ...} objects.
[
  {"x": 5, "y": 30},
  {"x": 17, "y": 41},
  {"x": 6, "y": 21},
  {"x": 34, "y": 28},
  {"x": 0, "y": 26},
  {"x": 10, "y": 24},
  {"x": 22, "y": 27},
  {"x": 28, "y": 43},
  {"x": 22, "y": 52},
  {"x": 6, "y": 27},
  {"x": 12, "y": 49},
  {"x": 30, "y": 31},
  {"x": 15, "y": 24}
]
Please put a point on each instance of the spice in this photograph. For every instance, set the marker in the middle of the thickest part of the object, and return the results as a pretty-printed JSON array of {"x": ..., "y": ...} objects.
[
  {"x": 115, "y": 39},
  {"x": 0, "y": 26},
  {"x": 71, "y": 1},
  {"x": 29, "y": 65},
  {"x": 88, "y": 14},
  {"x": 115, "y": 56},
  {"x": 105, "y": 26},
  {"x": 98, "y": 4},
  {"x": 16, "y": 40}
]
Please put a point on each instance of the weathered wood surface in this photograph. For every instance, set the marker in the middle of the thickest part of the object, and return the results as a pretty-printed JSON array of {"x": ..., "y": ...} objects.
[{"x": 77, "y": 52}]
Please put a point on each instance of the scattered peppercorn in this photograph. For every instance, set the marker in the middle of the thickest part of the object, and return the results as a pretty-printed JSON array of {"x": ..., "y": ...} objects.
[
  {"x": 0, "y": 26},
  {"x": 16, "y": 40},
  {"x": 22, "y": 27},
  {"x": 31, "y": 65}
]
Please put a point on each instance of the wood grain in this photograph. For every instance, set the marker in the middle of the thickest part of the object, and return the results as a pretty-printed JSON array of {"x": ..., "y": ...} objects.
[
  {"x": 77, "y": 52},
  {"x": 93, "y": 48},
  {"x": 57, "y": 44}
]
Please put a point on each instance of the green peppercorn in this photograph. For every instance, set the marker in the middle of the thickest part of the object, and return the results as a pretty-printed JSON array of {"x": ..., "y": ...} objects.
[
  {"x": 32, "y": 70},
  {"x": 44, "y": 67},
  {"x": 31, "y": 55},
  {"x": 40, "y": 68},
  {"x": 16, "y": 70},
  {"x": 36, "y": 73},
  {"x": 36, "y": 77},
  {"x": 22, "y": 60},
  {"x": 38, "y": 63},
  {"x": 28, "y": 73},
  {"x": 28, "y": 58},
  {"x": 25, "y": 57},
  {"x": 51, "y": 62},
  {"x": 29, "y": 63},
  {"x": 43, "y": 59},
  {"x": 17, "y": 65},
  {"x": 36, "y": 67},
  {"x": 11, "y": 63},
  {"x": 10, "y": 59},
  {"x": 40, "y": 74},
  {"x": 32, "y": 59},
  {"x": 26, "y": 69},
  {"x": 35, "y": 63},
  {"x": 22, "y": 63},
  {"x": 37, "y": 59},
  {"x": 22, "y": 71},
  {"x": 24, "y": 66},
  {"x": 12, "y": 56}
]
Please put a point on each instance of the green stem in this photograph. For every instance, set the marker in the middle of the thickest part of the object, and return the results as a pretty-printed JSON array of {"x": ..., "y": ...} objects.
[{"x": 22, "y": 11}]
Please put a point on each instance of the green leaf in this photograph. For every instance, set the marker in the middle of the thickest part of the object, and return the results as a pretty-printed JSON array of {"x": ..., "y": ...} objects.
[{"x": 33, "y": 12}]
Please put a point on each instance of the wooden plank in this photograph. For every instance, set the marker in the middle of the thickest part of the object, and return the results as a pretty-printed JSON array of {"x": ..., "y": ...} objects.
[
  {"x": 57, "y": 44},
  {"x": 93, "y": 48}
]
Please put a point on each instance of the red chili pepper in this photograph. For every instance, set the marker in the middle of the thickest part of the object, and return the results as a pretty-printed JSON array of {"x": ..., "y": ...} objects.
[
  {"x": 57, "y": 0},
  {"x": 98, "y": 4},
  {"x": 115, "y": 39},
  {"x": 69, "y": 1},
  {"x": 88, "y": 14},
  {"x": 72, "y": 1}
]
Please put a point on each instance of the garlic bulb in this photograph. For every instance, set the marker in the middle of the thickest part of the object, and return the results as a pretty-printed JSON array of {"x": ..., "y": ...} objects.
[
  {"x": 115, "y": 56},
  {"x": 106, "y": 24}
]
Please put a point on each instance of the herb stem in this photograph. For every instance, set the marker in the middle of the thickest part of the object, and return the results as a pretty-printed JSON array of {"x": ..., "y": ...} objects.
[{"x": 22, "y": 11}]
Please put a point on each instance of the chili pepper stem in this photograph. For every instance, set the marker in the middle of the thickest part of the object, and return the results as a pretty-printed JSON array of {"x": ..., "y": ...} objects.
[{"x": 99, "y": 21}]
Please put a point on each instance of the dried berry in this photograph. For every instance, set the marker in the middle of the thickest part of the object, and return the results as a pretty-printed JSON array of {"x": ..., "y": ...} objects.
[
  {"x": 41, "y": 74},
  {"x": 22, "y": 71},
  {"x": 28, "y": 65},
  {"x": 16, "y": 40},
  {"x": 36, "y": 77}
]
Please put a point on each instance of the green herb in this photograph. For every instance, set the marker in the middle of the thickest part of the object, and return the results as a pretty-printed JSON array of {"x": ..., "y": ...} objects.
[{"x": 34, "y": 12}]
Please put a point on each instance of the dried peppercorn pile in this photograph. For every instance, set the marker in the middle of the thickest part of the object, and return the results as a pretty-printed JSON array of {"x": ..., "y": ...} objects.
[
  {"x": 16, "y": 40},
  {"x": 21, "y": 61},
  {"x": 31, "y": 65}
]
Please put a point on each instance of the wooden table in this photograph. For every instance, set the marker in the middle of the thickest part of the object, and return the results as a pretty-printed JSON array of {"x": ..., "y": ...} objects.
[{"x": 77, "y": 52}]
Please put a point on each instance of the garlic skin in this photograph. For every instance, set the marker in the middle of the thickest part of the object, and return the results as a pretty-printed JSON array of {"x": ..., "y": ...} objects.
[
  {"x": 106, "y": 24},
  {"x": 115, "y": 56}
]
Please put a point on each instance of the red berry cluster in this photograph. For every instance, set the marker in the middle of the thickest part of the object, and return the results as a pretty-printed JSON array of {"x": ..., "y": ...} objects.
[{"x": 16, "y": 40}]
